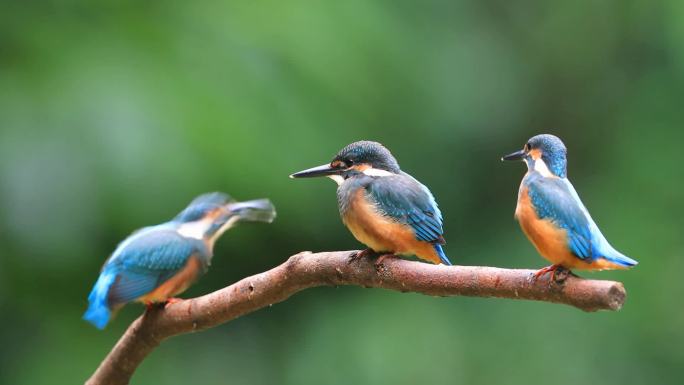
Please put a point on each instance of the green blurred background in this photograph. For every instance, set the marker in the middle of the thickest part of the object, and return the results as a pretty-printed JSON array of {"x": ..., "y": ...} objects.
[{"x": 115, "y": 115}]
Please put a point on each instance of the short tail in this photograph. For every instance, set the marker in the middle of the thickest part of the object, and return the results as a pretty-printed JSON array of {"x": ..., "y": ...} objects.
[
  {"x": 98, "y": 312},
  {"x": 258, "y": 210},
  {"x": 442, "y": 257},
  {"x": 620, "y": 259}
]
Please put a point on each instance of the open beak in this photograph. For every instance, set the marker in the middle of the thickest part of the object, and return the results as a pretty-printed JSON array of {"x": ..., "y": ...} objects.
[
  {"x": 324, "y": 170},
  {"x": 518, "y": 155}
]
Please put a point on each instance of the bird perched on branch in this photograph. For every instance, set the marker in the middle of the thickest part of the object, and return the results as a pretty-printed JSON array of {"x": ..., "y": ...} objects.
[
  {"x": 553, "y": 217},
  {"x": 156, "y": 263},
  {"x": 384, "y": 208}
]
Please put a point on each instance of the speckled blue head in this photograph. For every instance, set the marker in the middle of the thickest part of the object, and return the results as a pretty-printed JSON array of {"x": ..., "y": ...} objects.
[
  {"x": 202, "y": 206},
  {"x": 368, "y": 153},
  {"x": 354, "y": 159},
  {"x": 547, "y": 148}
]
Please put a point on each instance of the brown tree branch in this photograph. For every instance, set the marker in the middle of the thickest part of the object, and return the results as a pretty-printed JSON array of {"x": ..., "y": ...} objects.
[{"x": 307, "y": 270}]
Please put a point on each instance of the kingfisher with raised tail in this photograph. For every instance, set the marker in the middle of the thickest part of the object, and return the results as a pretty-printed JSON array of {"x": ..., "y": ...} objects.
[
  {"x": 552, "y": 215},
  {"x": 384, "y": 208},
  {"x": 158, "y": 262}
]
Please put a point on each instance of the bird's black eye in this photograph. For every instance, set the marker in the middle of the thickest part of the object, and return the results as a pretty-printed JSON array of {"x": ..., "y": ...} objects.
[
  {"x": 349, "y": 162},
  {"x": 528, "y": 146}
]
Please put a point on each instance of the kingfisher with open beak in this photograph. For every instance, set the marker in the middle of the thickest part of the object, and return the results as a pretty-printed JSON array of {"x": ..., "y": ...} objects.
[
  {"x": 384, "y": 208},
  {"x": 552, "y": 215},
  {"x": 156, "y": 263}
]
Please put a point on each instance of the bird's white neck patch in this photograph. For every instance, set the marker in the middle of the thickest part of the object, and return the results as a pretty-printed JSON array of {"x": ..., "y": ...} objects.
[
  {"x": 541, "y": 167},
  {"x": 196, "y": 229},
  {"x": 376, "y": 172},
  {"x": 337, "y": 178}
]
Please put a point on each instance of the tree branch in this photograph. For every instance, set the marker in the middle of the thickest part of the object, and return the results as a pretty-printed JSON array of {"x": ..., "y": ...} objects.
[{"x": 306, "y": 270}]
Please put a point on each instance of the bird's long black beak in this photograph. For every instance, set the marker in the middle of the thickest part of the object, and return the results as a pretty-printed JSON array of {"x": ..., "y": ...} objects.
[
  {"x": 323, "y": 170},
  {"x": 518, "y": 155}
]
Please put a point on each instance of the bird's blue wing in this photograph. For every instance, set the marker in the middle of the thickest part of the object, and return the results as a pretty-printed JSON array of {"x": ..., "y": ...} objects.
[
  {"x": 553, "y": 200},
  {"x": 147, "y": 261},
  {"x": 405, "y": 200}
]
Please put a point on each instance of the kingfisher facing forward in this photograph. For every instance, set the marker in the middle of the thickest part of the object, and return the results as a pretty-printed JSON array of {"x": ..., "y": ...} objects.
[
  {"x": 384, "y": 208},
  {"x": 156, "y": 263},
  {"x": 553, "y": 217}
]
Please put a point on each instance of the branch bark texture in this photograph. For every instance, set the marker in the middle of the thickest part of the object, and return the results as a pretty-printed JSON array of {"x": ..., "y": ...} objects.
[{"x": 306, "y": 270}]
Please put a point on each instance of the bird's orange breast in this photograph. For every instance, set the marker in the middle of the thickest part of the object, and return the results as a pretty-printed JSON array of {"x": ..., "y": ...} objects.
[
  {"x": 382, "y": 234},
  {"x": 552, "y": 241},
  {"x": 176, "y": 284}
]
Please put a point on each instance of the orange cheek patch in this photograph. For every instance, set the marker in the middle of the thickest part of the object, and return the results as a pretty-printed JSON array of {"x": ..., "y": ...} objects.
[
  {"x": 361, "y": 167},
  {"x": 535, "y": 154},
  {"x": 216, "y": 213}
]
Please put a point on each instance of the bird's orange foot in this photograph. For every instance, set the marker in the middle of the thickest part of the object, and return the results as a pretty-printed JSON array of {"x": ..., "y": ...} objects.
[
  {"x": 558, "y": 273},
  {"x": 543, "y": 271},
  {"x": 381, "y": 259},
  {"x": 360, "y": 254},
  {"x": 171, "y": 301}
]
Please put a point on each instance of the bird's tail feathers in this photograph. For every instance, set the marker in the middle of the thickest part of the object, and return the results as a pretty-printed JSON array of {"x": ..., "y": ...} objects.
[
  {"x": 620, "y": 259},
  {"x": 442, "y": 256},
  {"x": 258, "y": 210},
  {"x": 98, "y": 312}
]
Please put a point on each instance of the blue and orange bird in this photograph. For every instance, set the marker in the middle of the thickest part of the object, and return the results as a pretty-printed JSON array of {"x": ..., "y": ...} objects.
[
  {"x": 552, "y": 215},
  {"x": 158, "y": 262},
  {"x": 384, "y": 208}
]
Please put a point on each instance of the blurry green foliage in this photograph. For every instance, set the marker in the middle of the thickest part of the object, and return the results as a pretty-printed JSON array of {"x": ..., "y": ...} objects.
[{"x": 113, "y": 115}]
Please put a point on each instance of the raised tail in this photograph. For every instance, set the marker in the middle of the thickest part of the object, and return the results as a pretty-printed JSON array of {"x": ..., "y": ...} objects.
[
  {"x": 258, "y": 210},
  {"x": 442, "y": 256},
  {"x": 98, "y": 312}
]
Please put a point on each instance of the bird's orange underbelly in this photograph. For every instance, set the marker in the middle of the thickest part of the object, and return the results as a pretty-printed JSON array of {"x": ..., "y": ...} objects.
[
  {"x": 176, "y": 284},
  {"x": 383, "y": 234},
  {"x": 550, "y": 240}
]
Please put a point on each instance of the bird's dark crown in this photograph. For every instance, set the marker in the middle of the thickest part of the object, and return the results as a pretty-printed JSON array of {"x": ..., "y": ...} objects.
[{"x": 368, "y": 153}]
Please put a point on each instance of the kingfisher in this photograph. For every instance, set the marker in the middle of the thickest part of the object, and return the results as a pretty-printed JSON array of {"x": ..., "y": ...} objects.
[
  {"x": 384, "y": 208},
  {"x": 552, "y": 215},
  {"x": 158, "y": 262}
]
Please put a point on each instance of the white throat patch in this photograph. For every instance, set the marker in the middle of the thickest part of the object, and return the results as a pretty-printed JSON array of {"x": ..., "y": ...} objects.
[
  {"x": 195, "y": 229},
  {"x": 337, "y": 178},
  {"x": 541, "y": 167}
]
